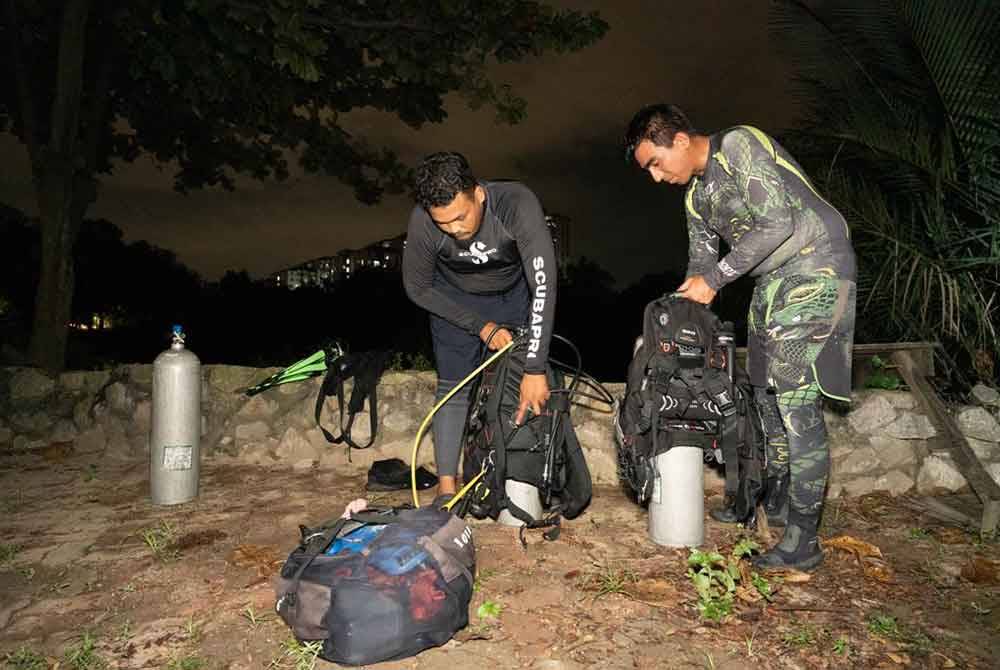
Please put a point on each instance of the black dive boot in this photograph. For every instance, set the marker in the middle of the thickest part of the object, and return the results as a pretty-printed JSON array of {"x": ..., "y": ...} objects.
[
  {"x": 728, "y": 512},
  {"x": 798, "y": 549},
  {"x": 776, "y": 500}
]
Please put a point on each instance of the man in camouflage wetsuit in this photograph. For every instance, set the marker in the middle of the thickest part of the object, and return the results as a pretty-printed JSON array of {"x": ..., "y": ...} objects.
[{"x": 744, "y": 188}]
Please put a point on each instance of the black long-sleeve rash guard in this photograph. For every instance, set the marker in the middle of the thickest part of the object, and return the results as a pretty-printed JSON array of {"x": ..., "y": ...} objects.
[{"x": 512, "y": 239}]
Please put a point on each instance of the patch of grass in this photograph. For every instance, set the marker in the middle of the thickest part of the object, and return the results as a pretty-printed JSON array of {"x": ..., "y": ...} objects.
[
  {"x": 27, "y": 572},
  {"x": 124, "y": 632},
  {"x": 803, "y": 636},
  {"x": 841, "y": 647},
  {"x": 490, "y": 609},
  {"x": 613, "y": 580},
  {"x": 297, "y": 655},
  {"x": 7, "y": 553},
  {"x": 186, "y": 663},
  {"x": 253, "y": 617},
  {"x": 160, "y": 540},
  {"x": 918, "y": 534},
  {"x": 90, "y": 473},
  {"x": 83, "y": 656},
  {"x": 193, "y": 629},
  {"x": 889, "y": 627},
  {"x": 25, "y": 658}
]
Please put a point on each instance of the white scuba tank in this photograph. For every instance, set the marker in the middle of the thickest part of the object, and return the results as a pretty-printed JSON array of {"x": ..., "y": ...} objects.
[{"x": 175, "y": 434}]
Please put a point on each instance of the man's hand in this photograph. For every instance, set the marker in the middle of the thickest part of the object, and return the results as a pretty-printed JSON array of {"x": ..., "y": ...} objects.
[
  {"x": 697, "y": 289},
  {"x": 534, "y": 394},
  {"x": 499, "y": 341}
]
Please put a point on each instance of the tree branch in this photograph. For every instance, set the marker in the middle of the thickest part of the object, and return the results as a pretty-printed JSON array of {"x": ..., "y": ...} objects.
[
  {"x": 25, "y": 100},
  {"x": 69, "y": 77}
]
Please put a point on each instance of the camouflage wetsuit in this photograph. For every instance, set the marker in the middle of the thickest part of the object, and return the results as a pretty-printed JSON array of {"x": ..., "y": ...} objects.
[{"x": 780, "y": 230}]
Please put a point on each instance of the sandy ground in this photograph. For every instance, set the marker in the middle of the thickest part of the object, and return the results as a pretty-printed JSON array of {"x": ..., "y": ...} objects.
[{"x": 92, "y": 573}]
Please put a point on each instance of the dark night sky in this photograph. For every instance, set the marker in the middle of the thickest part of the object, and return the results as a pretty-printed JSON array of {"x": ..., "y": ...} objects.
[{"x": 714, "y": 58}]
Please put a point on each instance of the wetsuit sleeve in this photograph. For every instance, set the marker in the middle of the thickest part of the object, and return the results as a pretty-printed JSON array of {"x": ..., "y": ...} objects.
[
  {"x": 703, "y": 242},
  {"x": 419, "y": 259},
  {"x": 534, "y": 244},
  {"x": 759, "y": 182}
]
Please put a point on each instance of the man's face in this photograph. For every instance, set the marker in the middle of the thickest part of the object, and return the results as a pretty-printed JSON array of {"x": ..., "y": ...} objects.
[
  {"x": 461, "y": 217},
  {"x": 674, "y": 165}
]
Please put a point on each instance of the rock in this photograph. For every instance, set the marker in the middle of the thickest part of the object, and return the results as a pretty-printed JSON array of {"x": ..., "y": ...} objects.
[
  {"x": 840, "y": 450},
  {"x": 399, "y": 421},
  {"x": 295, "y": 448},
  {"x": 6, "y": 435},
  {"x": 977, "y": 422},
  {"x": 939, "y": 472},
  {"x": 994, "y": 470},
  {"x": 985, "y": 451},
  {"x": 29, "y": 422},
  {"x": 142, "y": 418},
  {"x": 863, "y": 460},
  {"x": 82, "y": 416},
  {"x": 603, "y": 464},
  {"x": 257, "y": 454},
  {"x": 361, "y": 428},
  {"x": 596, "y": 435},
  {"x": 228, "y": 379},
  {"x": 895, "y": 482},
  {"x": 119, "y": 399},
  {"x": 73, "y": 381},
  {"x": 985, "y": 395},
  {"x": 859, "y": 486},
  {"x": 874, "y": 412},
  {"x": 63, "y": 431},
  {"x": 252, "y": 432},
  {"x": 118, "y": 444},
  {"x": 29, "y": 384},
  {"x": 258, "y": 407},
  {"x": 141, "y": 375},
  {"x": 910, "y": 426},
  {"x": 91, "y": 441},
  {"x": 892, "y": 452},
  {"x": 900, "y": 399}
]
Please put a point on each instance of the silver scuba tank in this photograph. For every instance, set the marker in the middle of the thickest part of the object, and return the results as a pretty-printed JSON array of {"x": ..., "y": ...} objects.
[{"x": 175, "y": 434}]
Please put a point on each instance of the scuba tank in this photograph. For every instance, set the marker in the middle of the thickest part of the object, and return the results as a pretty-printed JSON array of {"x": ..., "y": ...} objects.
[{"x": 175, "y": 433}]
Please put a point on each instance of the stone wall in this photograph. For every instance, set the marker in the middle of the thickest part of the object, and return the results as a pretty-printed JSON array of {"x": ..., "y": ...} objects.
[{"x": 884, "y": 442}]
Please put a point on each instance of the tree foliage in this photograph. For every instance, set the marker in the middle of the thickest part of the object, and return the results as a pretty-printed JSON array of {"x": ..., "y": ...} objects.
[
  {"x": 226, "y": 87},
  {"x": 903, "y": 131}
]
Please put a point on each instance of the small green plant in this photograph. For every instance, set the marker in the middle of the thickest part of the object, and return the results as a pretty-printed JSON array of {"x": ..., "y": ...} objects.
[
  {"x": 125, "y": 632},
  {"x": 27, "y": 572},
  {"x": 7, "y": 553},
  {"x": 160, "y": 540},
  {"x": 83, "y": 655},
  {"x": 193, "y": 629},
  {"x": 489, "y": 610},
  {"x": 803, "y": 636},
  {"x": 297, "y": 655},
  {"x": 253, "y": 617},
  {"x": 186, "y": 663},
  {"x": 417, "y": 362},
  {"x": 919, "y": 534},
  {"x": 841, "y": 646},
  {"x": 613, "y": 580},
  {"x": 25, "y": 658},
  {"x": 889, "y": 627},
  {"x": 715, "y": 578},
  {"x": 90, "y": 473},
  {"x": 881, "y": 376}
]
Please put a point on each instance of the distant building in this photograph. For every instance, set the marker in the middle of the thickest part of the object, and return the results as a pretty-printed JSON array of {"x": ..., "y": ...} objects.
[
  {"x": 326, "y": 271},
  {"x": 387, "y": 255}
]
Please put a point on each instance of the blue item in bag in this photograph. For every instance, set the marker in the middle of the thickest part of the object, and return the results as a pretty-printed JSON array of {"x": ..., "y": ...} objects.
[
  {"x": 356, "y": 540},
  {"x": 397, "y": 559}
]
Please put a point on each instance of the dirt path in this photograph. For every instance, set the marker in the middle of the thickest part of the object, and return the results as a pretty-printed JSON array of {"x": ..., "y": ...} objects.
[{"x": 83, "y": 553}]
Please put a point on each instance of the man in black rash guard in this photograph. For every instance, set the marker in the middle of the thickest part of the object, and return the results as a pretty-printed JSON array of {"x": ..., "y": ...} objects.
[{"x": 477, "y": 254}]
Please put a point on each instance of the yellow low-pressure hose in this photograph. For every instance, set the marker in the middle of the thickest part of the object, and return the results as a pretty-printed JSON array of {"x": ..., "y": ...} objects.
[{"x": 427, "y": 420}]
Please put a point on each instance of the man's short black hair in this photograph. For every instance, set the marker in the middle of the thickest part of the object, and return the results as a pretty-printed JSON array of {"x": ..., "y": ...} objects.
[
  {"x": 658, "y": 124},
  {"x": 442, "y": 176}
]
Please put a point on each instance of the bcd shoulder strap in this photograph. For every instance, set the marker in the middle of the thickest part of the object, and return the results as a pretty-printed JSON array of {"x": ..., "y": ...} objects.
[{"x": 366, "y": 368}]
